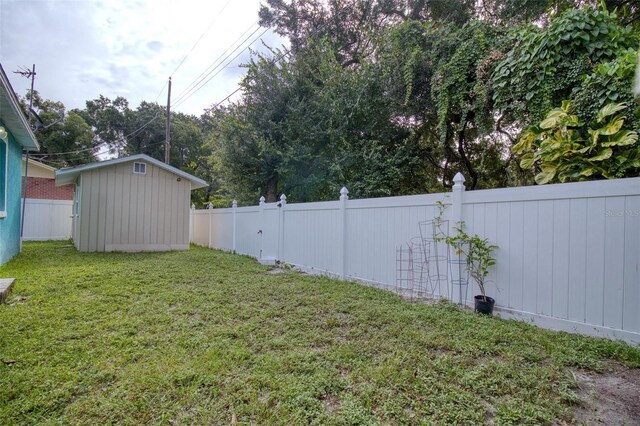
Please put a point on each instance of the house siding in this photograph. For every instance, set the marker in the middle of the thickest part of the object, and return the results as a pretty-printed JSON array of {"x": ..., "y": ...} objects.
[
  {"x": 124, "y": 211},
  {"x": 10, "y": 225}
]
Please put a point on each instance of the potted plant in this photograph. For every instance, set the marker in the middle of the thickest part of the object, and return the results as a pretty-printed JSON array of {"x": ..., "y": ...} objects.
[{"x": 479, "y": 258}]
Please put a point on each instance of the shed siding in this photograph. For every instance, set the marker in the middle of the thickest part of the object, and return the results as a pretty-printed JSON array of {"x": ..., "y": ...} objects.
[{"x": 122, "y": 210}]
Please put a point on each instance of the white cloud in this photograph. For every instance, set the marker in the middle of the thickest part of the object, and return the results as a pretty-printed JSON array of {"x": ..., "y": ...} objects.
[{"x": 85, "y": 48}]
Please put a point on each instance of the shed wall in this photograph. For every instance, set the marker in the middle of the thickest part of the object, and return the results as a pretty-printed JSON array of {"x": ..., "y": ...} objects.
[{"x": 124, "y": 211}]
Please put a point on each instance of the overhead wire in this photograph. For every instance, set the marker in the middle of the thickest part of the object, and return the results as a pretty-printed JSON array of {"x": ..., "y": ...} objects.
[
  {"x": 126, "y": 137},
  {"x": 215, "y": 63},
  {"x": 210, "y": 75},
  {"x": 184, "y": 58},
  {"x": 100, "y": 152},
  {"x": 282, "y": 55}
]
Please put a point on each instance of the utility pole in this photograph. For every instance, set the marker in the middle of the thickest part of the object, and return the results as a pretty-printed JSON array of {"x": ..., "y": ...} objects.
[
  {"x": 167, "y": 143},
  {"x": 29, "y": 74}
]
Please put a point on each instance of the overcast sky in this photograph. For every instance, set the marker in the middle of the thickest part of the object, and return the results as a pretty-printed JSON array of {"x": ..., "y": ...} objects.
[{"x": 85, "y": 48}]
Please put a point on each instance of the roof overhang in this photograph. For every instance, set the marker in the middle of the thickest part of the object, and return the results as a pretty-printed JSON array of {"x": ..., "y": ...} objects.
[
  {"x": 13, "y": 117},
  {"x": 70, "y": 174},
  {"x": 35, "y": 163}
]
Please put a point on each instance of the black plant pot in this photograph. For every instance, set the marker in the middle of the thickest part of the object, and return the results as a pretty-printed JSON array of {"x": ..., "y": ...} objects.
[{"x": 482, "y": 306}]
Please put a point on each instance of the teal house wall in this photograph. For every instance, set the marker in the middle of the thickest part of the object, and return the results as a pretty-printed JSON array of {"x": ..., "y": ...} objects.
[
  {"x": 15, "y": 136},
  {"x": 10, "y": 225}
]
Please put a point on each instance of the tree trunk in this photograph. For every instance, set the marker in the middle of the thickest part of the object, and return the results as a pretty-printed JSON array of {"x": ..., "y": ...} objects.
[{"x": 272, "y": 190}]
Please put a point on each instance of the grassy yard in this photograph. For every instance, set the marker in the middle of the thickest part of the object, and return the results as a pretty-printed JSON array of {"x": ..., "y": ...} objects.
[{"x": 204, "y": 337}]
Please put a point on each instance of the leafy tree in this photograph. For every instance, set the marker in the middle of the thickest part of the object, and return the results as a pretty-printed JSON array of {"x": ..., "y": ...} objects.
[
  {"x": 351, "y": 25},
  {"x": 562, "y": 148},
  {"x": 546, "y": 64},
  {"x": 609, "y": 82},
  {"x": 106, "y": 118},
  {"x": 65, "y": 138}
]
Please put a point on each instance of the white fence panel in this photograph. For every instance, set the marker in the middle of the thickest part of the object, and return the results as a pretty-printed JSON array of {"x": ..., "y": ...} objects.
[
  {"x": 568, "y": 255},
  {"x": 270, "y": 231},
  {"x": 247, "y": 227},
  {"x": 312, "y": 236},
  {"x": 376, "y": 228},
  {"x": 221, "y": 229},
  {"x": 566, "y": 252},
  {"x": 47, "y": 219},
  {"x": 200, "y": 227}
]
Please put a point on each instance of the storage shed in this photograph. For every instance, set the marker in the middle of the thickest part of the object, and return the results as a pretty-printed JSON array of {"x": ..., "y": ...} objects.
[{"x": 134, "y": 203}]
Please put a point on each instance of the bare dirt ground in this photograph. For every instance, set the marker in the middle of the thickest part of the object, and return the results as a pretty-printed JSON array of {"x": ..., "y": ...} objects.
[{"x": 608, "y": 398}]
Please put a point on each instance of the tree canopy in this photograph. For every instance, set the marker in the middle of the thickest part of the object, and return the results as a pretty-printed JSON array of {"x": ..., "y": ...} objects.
[{"x": 390, "y": 97}]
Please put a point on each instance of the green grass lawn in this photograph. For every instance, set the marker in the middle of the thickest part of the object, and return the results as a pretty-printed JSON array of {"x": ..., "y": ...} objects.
[{"x": 205, "y": 337}]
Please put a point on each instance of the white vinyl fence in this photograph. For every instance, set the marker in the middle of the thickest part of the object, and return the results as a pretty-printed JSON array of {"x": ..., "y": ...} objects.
[
  {"x": 47, "y": 219},
  {"x": 568, "y": 255}
]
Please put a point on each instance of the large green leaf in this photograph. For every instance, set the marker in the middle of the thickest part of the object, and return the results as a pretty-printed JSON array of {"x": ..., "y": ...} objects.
[
  {"x": 544, "y": 177},
  {"x": 623, "y": 138},
  {"x": 550, "y": 122},
  {"x": 603, "y": 154},
  {"x": 609, "y": 110},
  {"x": 588, "y": 171},
  {"x": 613, "y": 127},
  {"x": 527, "y": 161}
]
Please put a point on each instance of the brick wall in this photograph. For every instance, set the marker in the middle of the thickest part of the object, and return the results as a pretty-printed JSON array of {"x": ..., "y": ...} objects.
[{"x": 46, "y": 189}]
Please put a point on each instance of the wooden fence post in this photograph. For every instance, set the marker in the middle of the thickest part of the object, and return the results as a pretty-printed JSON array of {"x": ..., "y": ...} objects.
[
  {"x": 344, "y": 197},
  {"x": 281, "y": 205},
  {"x": 234, "y": 212},
  {"x": 210, "y": 208}
]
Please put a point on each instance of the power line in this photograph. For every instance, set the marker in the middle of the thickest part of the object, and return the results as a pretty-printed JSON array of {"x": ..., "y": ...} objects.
[
  {"x": 201, "y": 83},
  {"x": 100, "y": 152},
  {"x": 127, "y": 138},
  {"x": 161, "y": 92},
  {"x": 282, "y": 55},
  {"x": 215, "y": 61},
  {"x": 141, "y": 128},
  {"x": 201, "y": 36},
  {"x": 184, "y": 58}
]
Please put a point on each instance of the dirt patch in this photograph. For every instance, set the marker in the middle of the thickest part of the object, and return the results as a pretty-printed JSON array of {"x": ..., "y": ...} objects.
[
  {"x": 608, "y": 398},
  {"x": 331, "y": 403}
]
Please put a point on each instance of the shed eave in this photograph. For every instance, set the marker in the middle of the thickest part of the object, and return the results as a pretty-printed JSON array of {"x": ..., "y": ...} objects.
[{"x": 70, "y": 174}]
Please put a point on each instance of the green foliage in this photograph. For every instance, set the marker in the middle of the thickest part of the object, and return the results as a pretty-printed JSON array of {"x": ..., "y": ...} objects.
[
  {"x": 609, "y": 83},
  {"x": 202, "y": 336},
  {"x": 565, "y": 149},
  {"x": 389, "y": 97},
  {"x": 65, "y": 138},
  {"x": 546, "y": 64},
  {"x": 477, "y": 252}
]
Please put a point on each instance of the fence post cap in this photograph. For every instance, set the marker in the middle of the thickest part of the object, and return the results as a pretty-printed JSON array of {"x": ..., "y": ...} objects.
[
  {"x": 283, "y": 197},
  {"x": 193, "y": 206},
  {"x": 459, "y": 177},
  {"x": 262, "y": 200},
  {"x": 458, "y": 180},
  {"x": 344, "y": 193},
  {"x": 210, "y": 205},
  {"x": 234, "y": 203}
]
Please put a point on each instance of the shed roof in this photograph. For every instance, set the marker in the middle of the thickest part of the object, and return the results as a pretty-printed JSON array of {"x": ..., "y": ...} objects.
[
  {"x": 13, "y": 116},
  {"x": 70, "y": 174}
]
